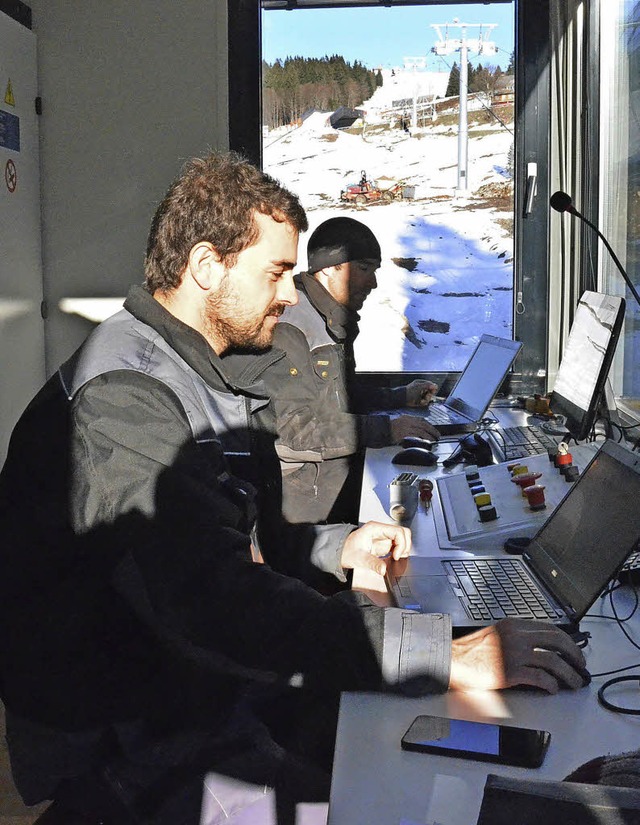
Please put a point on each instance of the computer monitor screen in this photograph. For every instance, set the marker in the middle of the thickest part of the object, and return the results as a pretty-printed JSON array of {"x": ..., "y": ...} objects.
[
  {"x": 484, "y": 373},
  {"x": 586, "y": 361}
]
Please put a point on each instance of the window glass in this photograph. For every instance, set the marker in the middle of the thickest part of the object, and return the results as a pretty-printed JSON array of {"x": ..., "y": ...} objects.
[
  {"x": 403, "y": 118},
  {"x": 620, "y": 178}
]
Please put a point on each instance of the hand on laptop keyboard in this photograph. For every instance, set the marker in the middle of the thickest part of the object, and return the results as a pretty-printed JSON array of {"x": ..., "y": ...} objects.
[{"x": 421, "y": 393}]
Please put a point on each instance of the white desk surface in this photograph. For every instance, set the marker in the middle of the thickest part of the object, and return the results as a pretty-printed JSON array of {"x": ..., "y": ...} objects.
[{"x": 376, "y": 783}]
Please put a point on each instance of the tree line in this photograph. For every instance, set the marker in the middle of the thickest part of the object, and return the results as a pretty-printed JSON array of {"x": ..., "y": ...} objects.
[
  {"x": 292, "y": 86},
  {"x": 480, "y": 79}
]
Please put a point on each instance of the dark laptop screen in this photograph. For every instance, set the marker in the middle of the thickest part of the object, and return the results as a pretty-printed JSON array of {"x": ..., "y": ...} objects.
[{"x": 590, "y": 535}]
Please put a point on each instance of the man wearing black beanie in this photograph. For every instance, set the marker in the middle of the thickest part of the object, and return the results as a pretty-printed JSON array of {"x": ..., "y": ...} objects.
[{"x": 322, "y": 415}]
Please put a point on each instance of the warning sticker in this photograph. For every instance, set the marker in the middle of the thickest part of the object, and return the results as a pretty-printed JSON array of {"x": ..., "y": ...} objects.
[
  {"x": 9, "y": 131},
  {"x": 9, "y": 99},
  {"x": 11, "y": 176}
]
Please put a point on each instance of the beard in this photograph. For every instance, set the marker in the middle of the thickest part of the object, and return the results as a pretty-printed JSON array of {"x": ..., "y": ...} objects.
[{"x": 227, "y": 320}]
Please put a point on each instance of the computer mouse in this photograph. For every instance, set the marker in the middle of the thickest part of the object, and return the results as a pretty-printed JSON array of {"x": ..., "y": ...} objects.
[
  {"x": 415, "y": 456},
  {"x": 415, "y": 441},
  {"x": 582, "y": 671}
]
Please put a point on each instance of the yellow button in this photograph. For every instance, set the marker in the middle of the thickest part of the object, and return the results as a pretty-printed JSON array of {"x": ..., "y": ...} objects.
[
  {"x": 482, "y": 499},
  {"x": 324, "y": 373},
  {"x": 293, "y": 371}
]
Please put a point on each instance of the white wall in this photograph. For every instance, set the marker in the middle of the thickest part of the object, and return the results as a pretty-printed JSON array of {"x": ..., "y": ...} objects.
[
  {"x": 129, "y": 91},
  {"x": 22, "y": 366}
]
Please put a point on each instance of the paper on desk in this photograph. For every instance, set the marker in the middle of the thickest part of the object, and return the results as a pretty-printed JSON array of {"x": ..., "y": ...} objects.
[
  {"x": 413, "y": 822},
  {"x": 450, "y": 800},
  {"x": 453, "y": 798}
]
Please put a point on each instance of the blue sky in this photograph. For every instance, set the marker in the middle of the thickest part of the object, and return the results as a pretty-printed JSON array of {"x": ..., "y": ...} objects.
[{"x": 381, "y": 36}]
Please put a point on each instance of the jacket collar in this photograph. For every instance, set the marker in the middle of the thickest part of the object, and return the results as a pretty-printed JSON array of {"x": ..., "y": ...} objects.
[
  {"x": 237, "y": 372},
  {"x": 342, "y": 323}
]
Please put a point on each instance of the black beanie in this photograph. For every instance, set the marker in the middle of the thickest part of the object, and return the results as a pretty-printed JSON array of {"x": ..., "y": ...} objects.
[{"x": 339, "y": 240}]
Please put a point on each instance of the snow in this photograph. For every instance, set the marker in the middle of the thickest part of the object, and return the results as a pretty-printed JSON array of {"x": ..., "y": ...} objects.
[{"x": 427, "y": 314}]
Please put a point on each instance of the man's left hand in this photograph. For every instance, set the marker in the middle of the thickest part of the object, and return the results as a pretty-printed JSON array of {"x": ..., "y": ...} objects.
[
  {"x": 366, "y": 547},
  {"x": 420, "y": 393}
]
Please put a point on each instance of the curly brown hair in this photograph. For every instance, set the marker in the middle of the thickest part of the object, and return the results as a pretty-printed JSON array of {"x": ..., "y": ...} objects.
[{"x": 214, "y": 199}]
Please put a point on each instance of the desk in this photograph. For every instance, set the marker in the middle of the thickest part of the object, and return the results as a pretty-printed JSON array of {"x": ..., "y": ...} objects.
[{"x": 376, "y": 783}]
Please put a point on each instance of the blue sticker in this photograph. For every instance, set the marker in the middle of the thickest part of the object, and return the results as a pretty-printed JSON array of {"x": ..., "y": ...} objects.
[{"x": 9, "y": 131}]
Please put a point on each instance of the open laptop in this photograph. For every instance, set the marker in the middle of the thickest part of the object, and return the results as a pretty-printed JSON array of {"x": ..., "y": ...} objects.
[
  {"x": 570, "y": 560},
  {"x": 474, "y": 390}
]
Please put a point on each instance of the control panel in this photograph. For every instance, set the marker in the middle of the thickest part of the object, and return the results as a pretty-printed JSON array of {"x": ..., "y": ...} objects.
[{"x": 478, "y": 508}]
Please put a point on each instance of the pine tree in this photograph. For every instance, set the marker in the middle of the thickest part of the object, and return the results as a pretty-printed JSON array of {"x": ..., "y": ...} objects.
[
  {"x": 453, "y": 87},
  {"x": 297, "y": 84}
]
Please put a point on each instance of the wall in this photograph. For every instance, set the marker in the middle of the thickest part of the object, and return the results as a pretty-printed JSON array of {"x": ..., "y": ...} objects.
[{"x": 129, "y": 91}]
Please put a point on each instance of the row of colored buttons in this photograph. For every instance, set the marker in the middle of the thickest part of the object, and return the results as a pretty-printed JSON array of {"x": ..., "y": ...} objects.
[{"x": 482, "y": 499}]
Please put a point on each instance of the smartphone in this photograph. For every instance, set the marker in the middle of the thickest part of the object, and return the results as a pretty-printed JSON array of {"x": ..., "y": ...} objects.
[{"x": 523, "y": 747}]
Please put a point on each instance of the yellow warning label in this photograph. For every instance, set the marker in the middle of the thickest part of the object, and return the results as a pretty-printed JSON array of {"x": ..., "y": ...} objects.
[{"x": 9, "y": 99}]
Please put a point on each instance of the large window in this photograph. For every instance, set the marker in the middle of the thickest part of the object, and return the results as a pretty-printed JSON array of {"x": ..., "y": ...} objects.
[
  {"x": 620, "y": 178},
  {"x": 430, "y": 293},
  {"x": 403, "y": 118}
]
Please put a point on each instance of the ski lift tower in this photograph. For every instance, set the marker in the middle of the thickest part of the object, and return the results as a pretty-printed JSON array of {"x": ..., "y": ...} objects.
[
  {"x": 446, "y": 45},
  {"x": 415, "y": 63}
]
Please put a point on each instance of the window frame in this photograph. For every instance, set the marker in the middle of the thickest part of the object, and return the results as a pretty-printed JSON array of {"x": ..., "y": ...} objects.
[
  {"x": 531, "y": 232},
  {"x": 622, "y": 407}
]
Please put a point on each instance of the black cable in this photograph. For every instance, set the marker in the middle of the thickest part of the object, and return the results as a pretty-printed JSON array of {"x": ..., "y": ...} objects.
[
  {"x": 616, "y": 670},
  {"x": 621, "y": 621},
  {"x": 487, "y": 108},
  {"x": 610, "y": 705},
  {"x": 606, "y": 703}
]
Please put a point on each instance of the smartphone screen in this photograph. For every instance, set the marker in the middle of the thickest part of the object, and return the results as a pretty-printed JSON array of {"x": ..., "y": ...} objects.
[{"x": 486, "y": 742}]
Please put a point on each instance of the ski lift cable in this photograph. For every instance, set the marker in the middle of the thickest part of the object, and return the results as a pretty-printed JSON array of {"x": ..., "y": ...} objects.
[{"x": 484, "y": 106}]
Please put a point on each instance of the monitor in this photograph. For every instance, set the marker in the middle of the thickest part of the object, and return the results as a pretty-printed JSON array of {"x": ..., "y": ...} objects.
[{"x": 586, "y": 361}]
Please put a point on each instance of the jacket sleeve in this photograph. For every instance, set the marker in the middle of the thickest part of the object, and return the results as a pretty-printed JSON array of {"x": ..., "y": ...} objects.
[
  {"x": 384, "y": 398},
  {"x": 188, "y": 560}
]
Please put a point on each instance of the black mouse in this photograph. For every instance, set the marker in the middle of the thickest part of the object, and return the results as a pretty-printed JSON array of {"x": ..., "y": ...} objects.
[
  {"x": 414, "y": 441},
  {"x": 415, "y": 455},
  {"x": 582, "y": 671}
]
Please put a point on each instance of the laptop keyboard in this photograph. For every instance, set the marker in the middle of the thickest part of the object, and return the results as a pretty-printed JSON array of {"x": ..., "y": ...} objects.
[
  {"x": 438, "y": 415},
  {"x": 519, "y": 442},
  {"x": 630, "y": 571},
  {"x": 497, "y": 588}
]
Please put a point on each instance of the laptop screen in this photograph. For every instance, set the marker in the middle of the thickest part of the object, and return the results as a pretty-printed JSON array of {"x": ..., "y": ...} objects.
[
  {"x": 586, "y": 360},
  {"x": 481, "y": 379},
  {"x": 590, "y": 534}
]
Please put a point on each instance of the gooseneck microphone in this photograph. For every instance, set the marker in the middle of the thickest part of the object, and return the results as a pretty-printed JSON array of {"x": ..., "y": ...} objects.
[{"x": 562, "y": 202}]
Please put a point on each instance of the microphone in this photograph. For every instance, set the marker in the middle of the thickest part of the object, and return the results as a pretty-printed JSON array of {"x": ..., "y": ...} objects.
[{"x": 562, "y": 202}]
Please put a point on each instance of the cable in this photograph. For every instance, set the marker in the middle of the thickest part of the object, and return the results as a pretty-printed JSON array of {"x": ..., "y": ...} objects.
[
  {"x": 621, "y": 621},
  {"x": 610, "y": 705},
  {"x": 488, "y": 109},
  {"x": 455, "y": 458},
  {"x": 602, "y": 700}
]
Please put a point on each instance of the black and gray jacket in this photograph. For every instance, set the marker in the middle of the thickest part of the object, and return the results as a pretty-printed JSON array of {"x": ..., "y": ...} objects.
[
  {"x": 322, "y": 414},
  {"x": 128, "y": 589}
]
